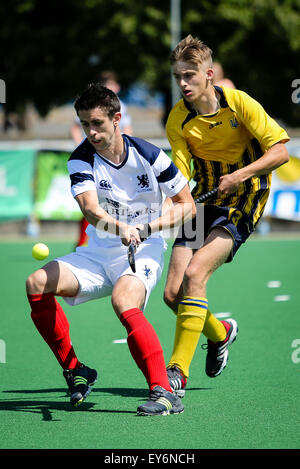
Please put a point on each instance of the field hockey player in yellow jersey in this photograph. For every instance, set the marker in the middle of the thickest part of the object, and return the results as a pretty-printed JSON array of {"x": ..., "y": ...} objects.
[{"x": 220, "y": 137}]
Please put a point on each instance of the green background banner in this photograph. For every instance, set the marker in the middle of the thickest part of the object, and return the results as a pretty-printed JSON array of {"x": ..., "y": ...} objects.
[
  {"x": 53, "y": 198},
  {"x": 16, "y": 183},
  {"x": 35, "y": 181}
]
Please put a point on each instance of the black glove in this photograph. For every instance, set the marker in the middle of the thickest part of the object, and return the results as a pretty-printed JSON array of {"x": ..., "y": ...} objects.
[{"x": 145, "y": 232}]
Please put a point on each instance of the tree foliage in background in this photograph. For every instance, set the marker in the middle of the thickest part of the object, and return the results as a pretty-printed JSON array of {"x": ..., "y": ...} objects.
[
  {"x": 51, "y": 50},
  {"x": 258, "y": 43}
]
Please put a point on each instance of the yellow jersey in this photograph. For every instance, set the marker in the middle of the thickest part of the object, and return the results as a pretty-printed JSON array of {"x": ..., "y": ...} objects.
[{"x": 206, "y": 147}]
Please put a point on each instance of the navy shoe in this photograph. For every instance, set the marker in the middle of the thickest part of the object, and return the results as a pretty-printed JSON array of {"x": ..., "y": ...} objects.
[
  {"x": 79, "y": 381},
  {"x": 161, "y": 402}
]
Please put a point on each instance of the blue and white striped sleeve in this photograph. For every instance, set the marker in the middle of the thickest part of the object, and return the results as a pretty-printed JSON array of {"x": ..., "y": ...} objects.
[
  {"x": 81, "y": 175},
  {"x": 170, "y": 179}
]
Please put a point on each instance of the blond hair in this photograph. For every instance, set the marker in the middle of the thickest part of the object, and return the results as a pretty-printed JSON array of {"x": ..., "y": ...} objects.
[{"x": 191, "y": 49}]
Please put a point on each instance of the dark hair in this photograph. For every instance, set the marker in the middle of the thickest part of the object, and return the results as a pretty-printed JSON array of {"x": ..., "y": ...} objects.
[{"x": 96, "y": 95}]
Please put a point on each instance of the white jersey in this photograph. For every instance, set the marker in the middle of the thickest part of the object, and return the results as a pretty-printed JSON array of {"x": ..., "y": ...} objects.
[{"x": 131, "y": 191}]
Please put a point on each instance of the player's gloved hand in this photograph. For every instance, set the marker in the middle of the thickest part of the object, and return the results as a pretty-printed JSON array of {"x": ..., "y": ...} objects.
[{"x": 144, "y": 231}]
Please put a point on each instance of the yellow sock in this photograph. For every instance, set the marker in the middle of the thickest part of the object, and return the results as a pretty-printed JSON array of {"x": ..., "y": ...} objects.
[
  {"x": 213, "y": 329},
  {"x": 190, "y": 321}
]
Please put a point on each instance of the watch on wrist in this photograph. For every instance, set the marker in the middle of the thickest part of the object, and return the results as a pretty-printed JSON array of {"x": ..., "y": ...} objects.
[{"x": 145, "y": 232}]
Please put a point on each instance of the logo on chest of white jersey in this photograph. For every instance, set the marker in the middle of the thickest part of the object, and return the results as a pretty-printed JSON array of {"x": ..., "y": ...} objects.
[
  {"x": 143, "y": 183},
  {"x": 104, "y": 184}
]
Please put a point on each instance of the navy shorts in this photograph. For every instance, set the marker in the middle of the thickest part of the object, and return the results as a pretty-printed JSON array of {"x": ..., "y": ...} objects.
[{"x": 235, "y": 222}]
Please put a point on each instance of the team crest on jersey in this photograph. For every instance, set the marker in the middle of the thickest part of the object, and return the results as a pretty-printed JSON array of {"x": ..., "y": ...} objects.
[
  {"x": 104, "y": 184},
  {"x": 144, "y": 184},
  {"x": 234, "y": 123}
]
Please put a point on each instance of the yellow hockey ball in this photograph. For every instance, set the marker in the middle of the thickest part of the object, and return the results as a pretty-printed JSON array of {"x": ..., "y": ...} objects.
[{"x": 40, "y": 251}]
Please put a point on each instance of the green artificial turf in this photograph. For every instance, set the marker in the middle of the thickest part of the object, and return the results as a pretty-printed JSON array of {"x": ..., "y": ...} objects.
[{"x": 253, "y": 404}]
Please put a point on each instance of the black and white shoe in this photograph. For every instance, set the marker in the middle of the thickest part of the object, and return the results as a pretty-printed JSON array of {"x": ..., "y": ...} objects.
[
  {"x": 177, "y": 381},
  {"x": 217, "y": 353},
  {"x": 79, "y": 381},
  {"x": 161, "y": 402}
]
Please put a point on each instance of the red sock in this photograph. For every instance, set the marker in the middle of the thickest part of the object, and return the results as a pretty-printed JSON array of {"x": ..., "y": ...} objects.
[
  {"x": 145, "y": 348},
  {"x": 82, "y": 234},
  {"x": 51, "y": 322}
]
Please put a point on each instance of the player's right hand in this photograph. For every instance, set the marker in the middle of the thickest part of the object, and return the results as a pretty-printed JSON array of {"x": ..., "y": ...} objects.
[
  {"x": 129, "y": 234},
  {"x": 229, "y": 183}
]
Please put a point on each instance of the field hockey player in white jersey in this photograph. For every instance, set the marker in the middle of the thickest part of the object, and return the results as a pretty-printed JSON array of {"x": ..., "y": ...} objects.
[{"x": 118, "y": 183}]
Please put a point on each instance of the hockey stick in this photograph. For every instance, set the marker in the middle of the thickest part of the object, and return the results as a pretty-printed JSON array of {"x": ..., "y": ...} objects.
[
  {"x": 206, "y": 195},
  {"x": 144, "y": 233},
  {"x": 131, "y": 255}
]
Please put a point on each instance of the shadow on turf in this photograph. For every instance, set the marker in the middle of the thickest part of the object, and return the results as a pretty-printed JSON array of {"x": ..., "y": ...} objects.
[
  {"x": 46, "y": 408},
  {"x": 122, "y": 392}
]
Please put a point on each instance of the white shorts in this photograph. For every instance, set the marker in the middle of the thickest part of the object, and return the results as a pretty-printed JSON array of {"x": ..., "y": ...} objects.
[{"x": 97, "y": 270}]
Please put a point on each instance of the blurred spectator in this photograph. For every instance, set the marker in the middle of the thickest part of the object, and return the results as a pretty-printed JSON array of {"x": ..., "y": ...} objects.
[
  {"x": 12, "y": 120},
  {"x": 219, "y": 79},
  {"x": 109, "y": 79}
]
